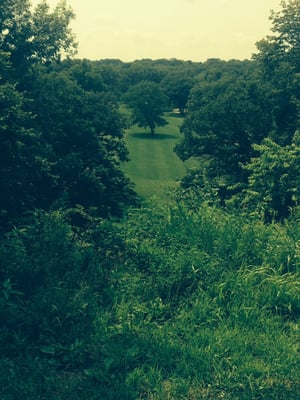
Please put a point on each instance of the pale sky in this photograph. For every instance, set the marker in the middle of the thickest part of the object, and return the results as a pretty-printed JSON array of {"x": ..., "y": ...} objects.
[{"x": 184, "y": 29}]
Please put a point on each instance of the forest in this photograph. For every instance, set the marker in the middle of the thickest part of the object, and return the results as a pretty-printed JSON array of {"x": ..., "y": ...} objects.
[{"x": 108, "y": 292}]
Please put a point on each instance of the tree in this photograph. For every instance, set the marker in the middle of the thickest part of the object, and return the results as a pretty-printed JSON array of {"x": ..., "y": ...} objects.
[
  {"x": 26, "y": 39},
  {"x": 38, "y": 36},
  {"x": 141, "y": 70},
  {"x": 25, "y": 178},
  {"x": 84, "y": 132},
  {"x": 274, "y": 180},
  {"x": 148, "y": 102},
  {"x": 85, "y": 72},
  {"x": 284, "y": 44},
  {"x": 278, "y": 56},
  {"x": 61, "y": 140},
  {"x": 225, "y": 118},
  {"x": 178, "y": 87}
]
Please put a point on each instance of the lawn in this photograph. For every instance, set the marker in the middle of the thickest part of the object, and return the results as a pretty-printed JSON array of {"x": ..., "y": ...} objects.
[{"x": 153, "y": 165}]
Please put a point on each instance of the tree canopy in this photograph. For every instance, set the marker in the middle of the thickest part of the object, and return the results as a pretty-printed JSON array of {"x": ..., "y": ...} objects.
[
  {"x": 235, "y": 110},
  {"x": 278, "y": 55},
  {"x": 35, "y": 36},
  {"x": 225, "y": 117},
  {"x": 177, "y": 87},
  {"x": 61, "y": 132},
  {"x": 274, "y": 180},
  {"x": 148, "y": 102}
]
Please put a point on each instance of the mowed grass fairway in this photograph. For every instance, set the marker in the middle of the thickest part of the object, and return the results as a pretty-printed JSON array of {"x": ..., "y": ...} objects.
[{"x": 153, "y": 165}]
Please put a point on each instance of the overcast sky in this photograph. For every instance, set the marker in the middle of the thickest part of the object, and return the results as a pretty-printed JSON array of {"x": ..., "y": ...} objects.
[{"x": 183, "y": 29}]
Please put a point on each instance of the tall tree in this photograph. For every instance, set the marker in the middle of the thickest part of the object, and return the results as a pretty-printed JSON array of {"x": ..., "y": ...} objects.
[
  {"x": 225, "y": 117},
  {"x": 37, "y": 36},
  {"x": 148, "y": 102},
  {"x": 61, "y": 139},
  {"x": 178, "y": 87},
  {"x": 27, "y": 38},
  {"x": 83, "y": 130},
  {"x": 274, "y": 181},
  {"x": 279, "y": 57},
  {"x": 25, "y": 177},
  {"x": 284, "y": 44}
]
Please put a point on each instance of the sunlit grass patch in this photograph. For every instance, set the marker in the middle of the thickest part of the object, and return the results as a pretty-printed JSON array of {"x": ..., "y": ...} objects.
[{"x": 153, "y": 165}]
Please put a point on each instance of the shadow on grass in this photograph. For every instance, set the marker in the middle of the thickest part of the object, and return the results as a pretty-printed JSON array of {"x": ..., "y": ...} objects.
[
  {"x": 176, "y": 115},
  {"x": 156, "y": 136}
]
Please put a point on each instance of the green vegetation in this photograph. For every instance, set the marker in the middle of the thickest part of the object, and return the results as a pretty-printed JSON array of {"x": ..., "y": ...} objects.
[
  {"x": 169, "y": 304},
  {"x": 147, "y": 102},
  {"x": 106, "y": 297},
  {"x": 154, "y": 167}
]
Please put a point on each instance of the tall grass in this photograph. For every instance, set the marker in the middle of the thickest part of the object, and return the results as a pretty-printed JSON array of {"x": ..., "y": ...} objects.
[
  {"x": 176, "y": 304},
  {"x": 210, "y": 309}
]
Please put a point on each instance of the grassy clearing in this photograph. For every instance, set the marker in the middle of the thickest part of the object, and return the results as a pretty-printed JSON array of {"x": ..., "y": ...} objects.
[{"x": 153, "y": 165}]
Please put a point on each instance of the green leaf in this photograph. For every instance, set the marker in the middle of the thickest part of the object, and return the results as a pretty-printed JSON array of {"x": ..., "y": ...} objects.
[{"x": 48, "y": 349}]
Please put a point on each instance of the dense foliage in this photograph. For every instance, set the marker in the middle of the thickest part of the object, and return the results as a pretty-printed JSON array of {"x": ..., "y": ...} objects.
[
  {"x": 235, "y": 115},
  {"x": 104, "y": 297},
  {"x": 61, "y": 138}
]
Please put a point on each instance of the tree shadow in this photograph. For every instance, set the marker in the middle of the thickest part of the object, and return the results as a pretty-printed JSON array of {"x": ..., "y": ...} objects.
[
  {"x": 156, "y": 136},
  {"x": 176, "y": 115}
]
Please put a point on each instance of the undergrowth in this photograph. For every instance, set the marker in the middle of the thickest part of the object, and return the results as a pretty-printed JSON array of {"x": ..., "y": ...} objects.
[{"x": 169, "y": 304}]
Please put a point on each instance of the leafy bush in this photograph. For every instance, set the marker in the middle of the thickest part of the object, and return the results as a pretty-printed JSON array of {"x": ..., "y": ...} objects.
[
  {"x": 52, "y": 284},
  {"x": 273, "y": 187}
]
